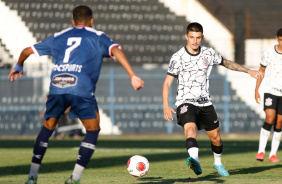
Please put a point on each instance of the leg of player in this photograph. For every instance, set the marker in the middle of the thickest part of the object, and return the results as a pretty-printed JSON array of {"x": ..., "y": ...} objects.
[
  {"x": 40, "y": 147},
  {"x": 87, "y": 148},
  {"x": 192, "y": 162},
  {"x": 265, "y": 132},
  {"x": 276, "y": 140},
  {"x": 216, "y": 145}
]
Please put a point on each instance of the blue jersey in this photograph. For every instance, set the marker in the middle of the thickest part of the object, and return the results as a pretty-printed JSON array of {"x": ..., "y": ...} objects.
[{"x": 77, "y": 54}]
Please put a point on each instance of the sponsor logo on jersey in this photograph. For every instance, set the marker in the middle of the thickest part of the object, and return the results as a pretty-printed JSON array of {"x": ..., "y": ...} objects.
[
  {"x": 64, "y": 80},
  {"x": 205, "y": 61},
  {"x": 201, "y": 100},
  {"x": 276, "y": 89},
  {"x": 68, "y": 68},
  {"x": 183, "y": 109},
  {"x": 268, "y": 102}
]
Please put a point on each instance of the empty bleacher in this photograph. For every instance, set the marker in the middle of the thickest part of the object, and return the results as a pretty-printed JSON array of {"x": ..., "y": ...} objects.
[
  {"x": 5, "y": 56},
  {"x": 20, "y": 105},
  {"x": 148, "y": 33}
]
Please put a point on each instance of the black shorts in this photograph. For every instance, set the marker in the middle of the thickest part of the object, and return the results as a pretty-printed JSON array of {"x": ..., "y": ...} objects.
[
  {"x": 272, "y": 102},
  {"x": 204, "y": 117}
]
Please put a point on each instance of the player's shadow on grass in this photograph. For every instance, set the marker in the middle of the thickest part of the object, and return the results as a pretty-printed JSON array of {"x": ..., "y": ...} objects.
[
  {"x": 253, "y": 170},
  {"x": 212, "y": 178}
]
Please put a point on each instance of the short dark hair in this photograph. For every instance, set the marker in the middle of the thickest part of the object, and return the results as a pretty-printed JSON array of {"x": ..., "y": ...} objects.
[
  {"x": 82, "y": 13},
  {"x": 195, "y": 27},
  {"x": 279, "y": 32}
]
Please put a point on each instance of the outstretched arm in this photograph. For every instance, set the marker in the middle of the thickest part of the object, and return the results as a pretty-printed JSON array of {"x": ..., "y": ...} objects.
[
  {"x": 257, "y": 95},
  {"x": 19, "y": 66},
  {"x": 136, "y": 82},
  {"x": 167, "y": 108},
  {"x": 236, "y": 67}
]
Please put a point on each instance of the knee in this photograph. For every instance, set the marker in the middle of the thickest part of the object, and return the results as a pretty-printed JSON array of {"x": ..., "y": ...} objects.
[
  {"x": 92, "y": 127},
  {"x": 50, "y": 124},
  {"x": 190, "y": 132},
  {"x": 269, "y": 119},
  {"x": 216, "y": 140}
]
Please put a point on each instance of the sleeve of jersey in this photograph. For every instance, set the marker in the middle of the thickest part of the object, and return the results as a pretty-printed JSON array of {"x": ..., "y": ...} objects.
[
  {"x": 107, "y": 45},
  {"x": 217, "y": 58},
  {"x": 264, "y": 59},
  {"x": 44, "y": 47},
  {"x": 173, "y": 67}
]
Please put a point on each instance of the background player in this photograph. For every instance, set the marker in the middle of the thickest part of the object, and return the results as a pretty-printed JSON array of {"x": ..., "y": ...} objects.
[
  {"x": 191, "y": 65},
  {"x": 77, "y": 53},
  {"x": 271, "y": 64}
]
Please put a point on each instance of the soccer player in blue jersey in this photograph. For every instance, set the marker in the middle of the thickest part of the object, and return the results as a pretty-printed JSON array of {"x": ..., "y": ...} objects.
[{"x": 77, "y": 53}]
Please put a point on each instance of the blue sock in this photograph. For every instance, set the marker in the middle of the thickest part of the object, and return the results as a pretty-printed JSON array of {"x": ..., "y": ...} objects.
[
  {"x": 87, "y": 147},
  {"x": 41, "y": 144}
]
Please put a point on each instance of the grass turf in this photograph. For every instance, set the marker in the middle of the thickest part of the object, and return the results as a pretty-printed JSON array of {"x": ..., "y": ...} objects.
[{"x": 166, "y": 153}]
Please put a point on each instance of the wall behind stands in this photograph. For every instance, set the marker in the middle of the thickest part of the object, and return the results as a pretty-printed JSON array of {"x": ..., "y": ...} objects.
[{"x": 254, "y": 49}]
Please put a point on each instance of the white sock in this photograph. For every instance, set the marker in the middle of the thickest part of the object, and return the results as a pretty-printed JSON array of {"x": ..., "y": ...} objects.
[
  {"x": 77, "y": 172},
  {"x": 275, "y": 143},
  {"x": 193, "y": 152},
  {"x": 217, "y": 158},
  {"x": 264, "y": 135},
  {"x": 34, "y": 168}
]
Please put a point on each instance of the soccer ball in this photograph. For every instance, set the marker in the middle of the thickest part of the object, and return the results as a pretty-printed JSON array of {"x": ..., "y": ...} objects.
[{"x": 138, "y": 166}]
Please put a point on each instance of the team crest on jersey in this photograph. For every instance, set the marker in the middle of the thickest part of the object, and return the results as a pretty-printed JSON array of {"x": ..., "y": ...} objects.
[
  {"x": 205, "y": 61},
  {"x": 268, "y": 102},
  {"x": 64, "y": 80},
  {"x": 183, "y": 109}
]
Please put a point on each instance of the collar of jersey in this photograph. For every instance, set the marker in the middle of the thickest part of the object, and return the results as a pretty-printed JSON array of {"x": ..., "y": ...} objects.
[
  {"x": 191, "y": 53},
  {"x": 80, "y": 26}
]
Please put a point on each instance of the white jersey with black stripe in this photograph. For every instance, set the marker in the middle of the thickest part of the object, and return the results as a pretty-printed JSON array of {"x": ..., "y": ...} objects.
[
  {"x": 272, "y": 60},
  {"x": 192, "y": 72}
]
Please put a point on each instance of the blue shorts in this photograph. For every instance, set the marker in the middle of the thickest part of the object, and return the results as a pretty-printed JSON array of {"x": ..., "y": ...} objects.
[{"x": 82, "y": 108}]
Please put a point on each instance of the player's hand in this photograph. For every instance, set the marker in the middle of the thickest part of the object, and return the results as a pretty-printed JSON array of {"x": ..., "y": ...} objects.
[
  {"x": 256, "y": 74},
  {"x": 167, "y": 113},
  {"x": 137, "y": 83},
  {"x": 14, "y": 75},
  {"x": 257, "y": 97}
]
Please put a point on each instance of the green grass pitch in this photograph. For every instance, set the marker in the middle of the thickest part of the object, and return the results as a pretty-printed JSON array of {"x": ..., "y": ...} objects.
[{"x": 166, "y": 153}]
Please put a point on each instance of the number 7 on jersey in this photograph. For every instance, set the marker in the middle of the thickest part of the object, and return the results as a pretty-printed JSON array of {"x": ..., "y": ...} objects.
[{"x": 71, "y": 40}]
